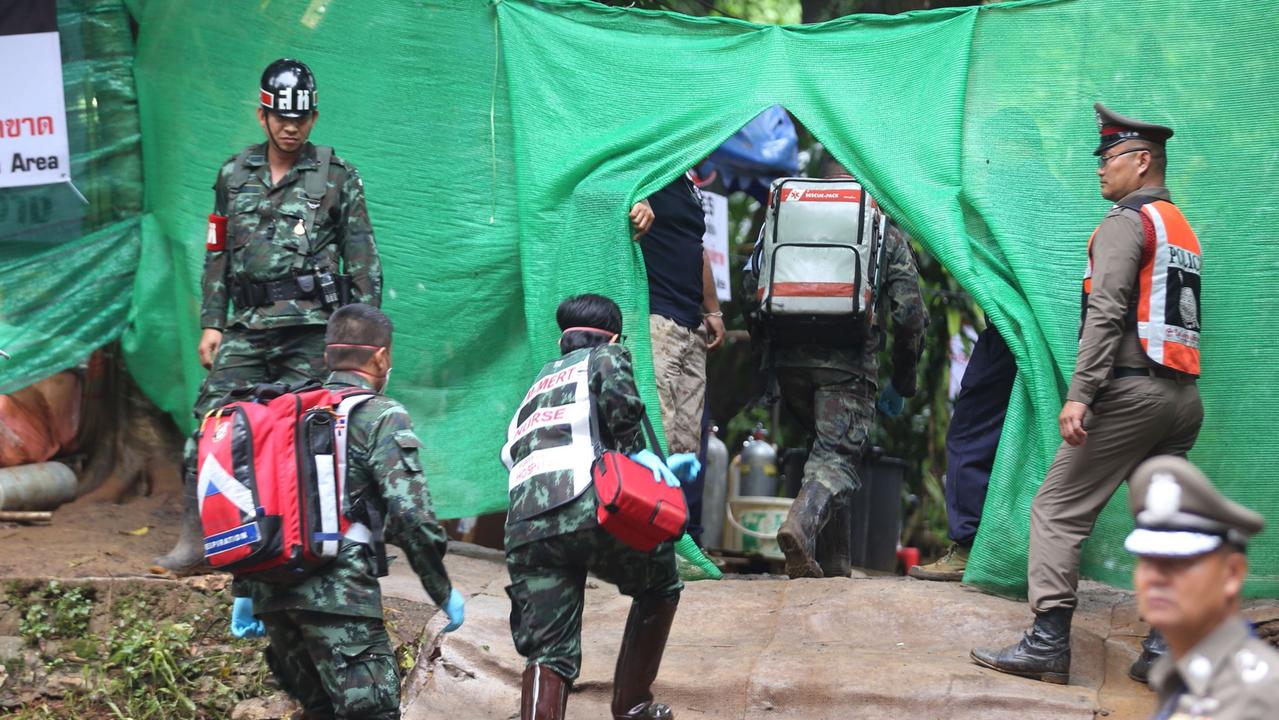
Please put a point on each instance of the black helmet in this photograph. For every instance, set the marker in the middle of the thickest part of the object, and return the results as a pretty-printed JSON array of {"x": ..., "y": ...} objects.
[{"x": 288, "y": 88}]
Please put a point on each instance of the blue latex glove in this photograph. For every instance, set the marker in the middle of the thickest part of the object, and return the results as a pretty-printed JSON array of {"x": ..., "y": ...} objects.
[
  {"x": 243, "y": 624},
  {"x": 653, "y": 462},
  {"x": 455, "y": 608},
  {"x": 890, "y": 401},
  {"x": 685, "y": 466}
]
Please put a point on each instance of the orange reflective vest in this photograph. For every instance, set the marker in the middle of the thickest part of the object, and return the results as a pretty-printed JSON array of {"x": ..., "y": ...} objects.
[{"x": 1167, "y": 310}]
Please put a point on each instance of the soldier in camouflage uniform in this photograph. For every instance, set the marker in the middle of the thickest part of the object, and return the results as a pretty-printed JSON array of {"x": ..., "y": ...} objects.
[
  {"x": 831, "y": 391},
  {"x": 552, "y": 537},
  {"x": 328, "y": 645},
  {"x": 289, "y": 241}
]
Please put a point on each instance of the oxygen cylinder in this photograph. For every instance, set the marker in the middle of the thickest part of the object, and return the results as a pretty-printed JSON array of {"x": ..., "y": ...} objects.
[
  {"x": 39, "y": 486},
  {"x": 714, "y": 491},
  {"x": 759, "y": 465}
]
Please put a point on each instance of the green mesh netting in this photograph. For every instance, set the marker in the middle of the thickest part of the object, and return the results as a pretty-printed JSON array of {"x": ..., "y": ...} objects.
[
  {"x": 65, "y": 267},
  {"x": 496, "y": 188}
]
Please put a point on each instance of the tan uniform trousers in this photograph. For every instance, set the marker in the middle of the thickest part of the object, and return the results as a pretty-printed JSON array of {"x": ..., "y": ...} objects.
[
  {"x": 679, "y": 363},
  {"x": 1130, "y": 420}
]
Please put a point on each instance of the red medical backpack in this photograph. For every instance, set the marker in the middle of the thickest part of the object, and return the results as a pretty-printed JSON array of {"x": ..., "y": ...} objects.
[{"x": 270, "y": 481}]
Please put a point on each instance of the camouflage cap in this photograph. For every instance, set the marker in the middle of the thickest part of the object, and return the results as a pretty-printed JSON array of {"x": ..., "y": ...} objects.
[
  {"x": 1115, "y": 128},
  {"x": 1179, "y": 513}
]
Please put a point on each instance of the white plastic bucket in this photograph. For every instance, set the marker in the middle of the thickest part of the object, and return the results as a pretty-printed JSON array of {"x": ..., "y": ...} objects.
[{"x": 753, "y": 523}]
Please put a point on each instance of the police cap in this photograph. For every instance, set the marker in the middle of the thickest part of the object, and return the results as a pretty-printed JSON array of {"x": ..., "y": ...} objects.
[
  {"x": 1116, "y": 128},
  {"x": 1179, "y": 513},
  {"x": 288, "y": 88}
]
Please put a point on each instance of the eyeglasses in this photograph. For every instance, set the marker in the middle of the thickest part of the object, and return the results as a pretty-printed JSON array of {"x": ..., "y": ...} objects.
[{"x": 1103, "y": 159}]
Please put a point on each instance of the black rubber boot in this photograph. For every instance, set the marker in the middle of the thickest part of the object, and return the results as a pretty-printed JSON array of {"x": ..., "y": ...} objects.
[
  {"x": 834, "y": 542},
  {"x": 797, "y": 537},
  {"x": 1042, "y": 654},
  {"x": 544, "y": 695},
  {"x": 188, "y": 554},
  {"x": 1152, "y": 648},
  {"x": 639, "y": 659}
]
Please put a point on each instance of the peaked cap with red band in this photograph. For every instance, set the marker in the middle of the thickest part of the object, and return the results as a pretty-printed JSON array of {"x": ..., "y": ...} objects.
[{"x": 1116, "y": 128}]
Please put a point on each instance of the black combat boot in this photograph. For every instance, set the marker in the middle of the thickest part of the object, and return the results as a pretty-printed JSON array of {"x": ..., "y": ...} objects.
[
  {"x": 1042, "y": 654},
  {"x": 797, "y": 537},
  {"x": 1152, "y": 648},
  {"x": 188, "y": 553},
  {"x": 834, "y": 542},
  {"x": 544, "y": 695},
  {"x": 643, "y": 641}
]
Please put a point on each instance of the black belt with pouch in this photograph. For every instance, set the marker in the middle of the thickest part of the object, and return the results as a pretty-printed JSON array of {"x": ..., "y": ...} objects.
[{"x": 328, "y": 288}]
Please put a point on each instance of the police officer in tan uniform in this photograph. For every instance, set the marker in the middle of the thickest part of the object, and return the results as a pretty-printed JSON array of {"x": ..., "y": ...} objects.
[
  {"x": 1133, "y": 393},
  {"x": 1190, "y": 543}
]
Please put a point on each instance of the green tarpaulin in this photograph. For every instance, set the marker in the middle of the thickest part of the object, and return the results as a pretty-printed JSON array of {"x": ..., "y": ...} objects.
[
  {"x": 974, "y": 127},
  {"x": 501, "y": 145}
]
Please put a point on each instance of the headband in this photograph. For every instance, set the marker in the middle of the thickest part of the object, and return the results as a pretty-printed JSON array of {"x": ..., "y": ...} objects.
[{"x": 598, "y": 331}]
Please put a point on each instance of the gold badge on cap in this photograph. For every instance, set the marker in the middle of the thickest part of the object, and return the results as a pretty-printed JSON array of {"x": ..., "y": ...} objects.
[{"x": 299, "y": 229}]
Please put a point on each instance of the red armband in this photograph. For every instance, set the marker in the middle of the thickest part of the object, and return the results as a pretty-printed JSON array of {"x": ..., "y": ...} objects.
[{"x": 216, "y": 240}]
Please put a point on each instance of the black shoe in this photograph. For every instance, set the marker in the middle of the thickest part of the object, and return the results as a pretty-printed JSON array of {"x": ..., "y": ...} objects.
[
  {"x": 797, "y": 537},
  {"x": 1043, "y": 653},
  {"x": 1152, "y": 648}
]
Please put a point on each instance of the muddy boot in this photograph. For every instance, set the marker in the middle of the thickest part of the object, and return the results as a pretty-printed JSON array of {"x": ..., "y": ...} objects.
[
  {"x": 188, "y": 553},
  {"x": 834, "y": 542},
  {"x": 643, "y": 641},
  {"x": 544, "y": 695},
  {"x": 1152, "y": 648},
  {"x": 1042, "y": 654},
  {"x": 797, "y": 537},
  {"x": 948, "y": 568}
]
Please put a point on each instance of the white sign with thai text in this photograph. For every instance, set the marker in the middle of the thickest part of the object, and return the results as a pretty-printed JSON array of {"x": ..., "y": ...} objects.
[
  {"x": 716, "y": 241},
  {"x": 33, "y": 118}
]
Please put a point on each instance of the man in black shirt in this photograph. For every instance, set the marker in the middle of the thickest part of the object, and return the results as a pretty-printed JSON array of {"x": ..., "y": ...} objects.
[{"x": 679, "y": 286}]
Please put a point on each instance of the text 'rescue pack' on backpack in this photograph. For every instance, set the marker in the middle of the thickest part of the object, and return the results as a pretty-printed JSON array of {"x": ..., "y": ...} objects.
[
  {"x": 270, "y": 482},
  {"x": 820, "y": 261}
]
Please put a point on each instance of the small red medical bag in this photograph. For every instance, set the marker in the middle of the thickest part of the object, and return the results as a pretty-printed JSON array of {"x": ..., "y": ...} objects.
[{"x": 635, "y": 508}]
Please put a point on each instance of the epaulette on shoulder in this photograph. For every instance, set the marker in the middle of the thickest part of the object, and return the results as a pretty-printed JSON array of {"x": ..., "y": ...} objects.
[{"x": 341, "y": 170}]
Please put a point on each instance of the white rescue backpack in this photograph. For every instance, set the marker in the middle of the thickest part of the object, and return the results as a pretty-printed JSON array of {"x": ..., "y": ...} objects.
[{"x": 819, "y": 262}]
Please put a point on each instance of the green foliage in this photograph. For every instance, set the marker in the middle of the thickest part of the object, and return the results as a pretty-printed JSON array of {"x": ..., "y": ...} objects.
[
  {"x": 775, "y": 12},
  {"x": 55, "y": 612},
  {"x": 145, "y": 665}
]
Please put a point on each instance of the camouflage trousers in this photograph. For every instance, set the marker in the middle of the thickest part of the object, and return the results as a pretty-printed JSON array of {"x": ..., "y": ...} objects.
[
  {"x": 679, "y": 366},
  {"x": 340, "y": 667},
  {"x": 837, "y": 408},
  {"x": 248, "y": 357},
  {"x": 548, "y": 590}
]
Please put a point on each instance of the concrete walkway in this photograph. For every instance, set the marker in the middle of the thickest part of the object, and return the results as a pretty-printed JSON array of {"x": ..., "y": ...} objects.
[{"x": 767, "y": 647}]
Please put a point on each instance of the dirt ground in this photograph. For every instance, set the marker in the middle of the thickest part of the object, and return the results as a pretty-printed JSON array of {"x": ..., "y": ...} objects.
[{"x": 108, "y": 540}]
